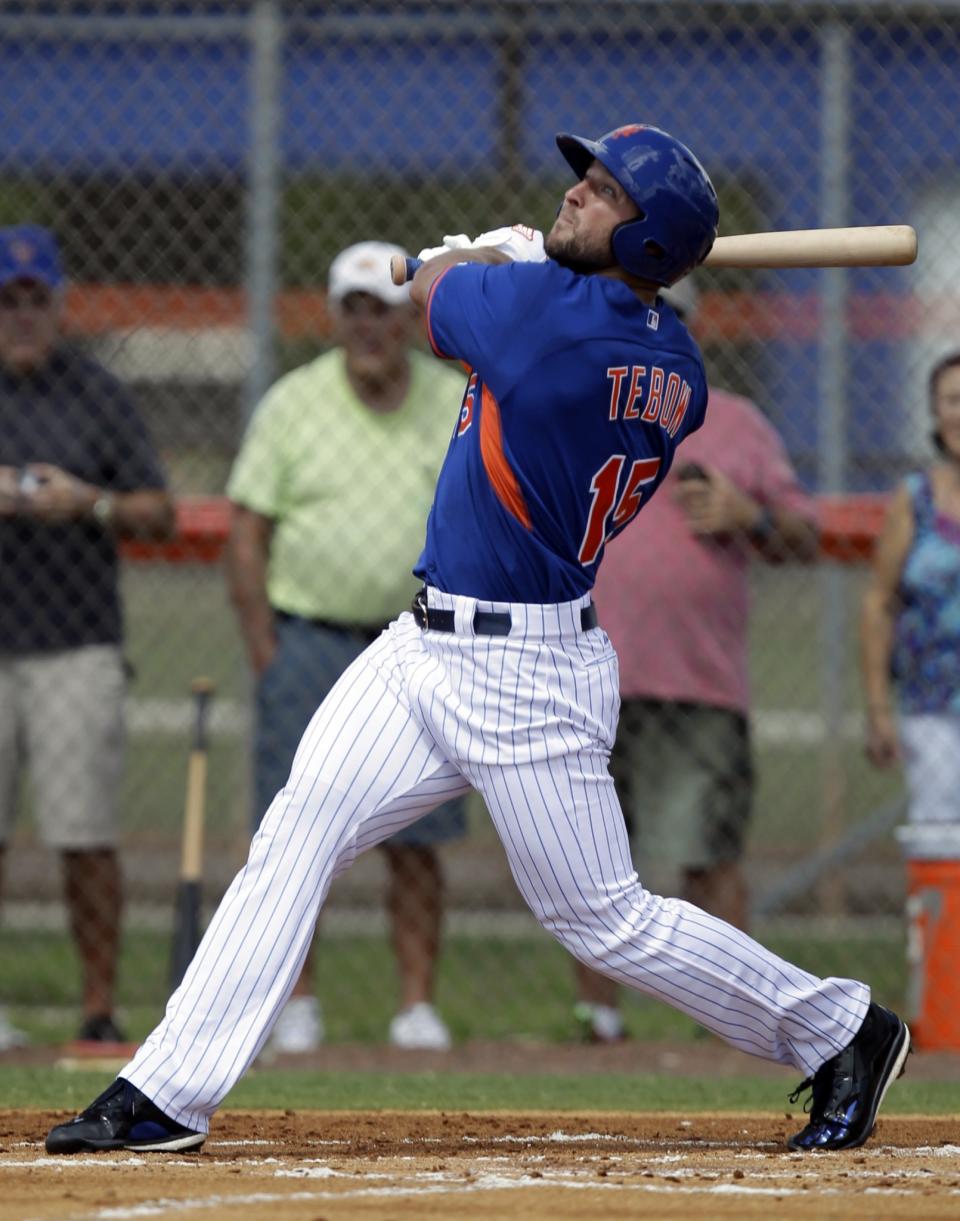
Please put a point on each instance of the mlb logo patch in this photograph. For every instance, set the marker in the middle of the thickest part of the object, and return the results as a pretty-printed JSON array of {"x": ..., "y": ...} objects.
[{"x": 653, "y": 320}]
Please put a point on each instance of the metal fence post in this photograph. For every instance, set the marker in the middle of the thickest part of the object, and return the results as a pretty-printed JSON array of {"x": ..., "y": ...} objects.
[
  {"x": 263, "y": 194},
  {"x": 832, "y": 446}
]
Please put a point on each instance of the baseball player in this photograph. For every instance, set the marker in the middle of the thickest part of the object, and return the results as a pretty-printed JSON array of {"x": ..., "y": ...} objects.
[{"x": 582, "y": 384}]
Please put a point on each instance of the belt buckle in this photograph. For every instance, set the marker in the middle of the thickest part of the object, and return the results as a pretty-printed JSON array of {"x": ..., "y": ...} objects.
[{"x": 419, "y": 608}]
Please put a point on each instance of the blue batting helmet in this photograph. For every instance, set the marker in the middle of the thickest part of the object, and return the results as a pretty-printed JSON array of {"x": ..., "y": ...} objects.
[{"x": 678, "y": 206}]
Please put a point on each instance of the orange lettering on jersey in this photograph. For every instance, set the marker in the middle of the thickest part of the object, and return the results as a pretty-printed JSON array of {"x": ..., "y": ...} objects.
[
  {"x": 667, "y": 401},
  {"x": 683, "y": 402},
  {"x": 499, "y": 471},
  {"x": 651, "y": 411},
  {"x": 635, "y": 396},
  {"x": 616, "y": 375},
  {"x": 643, "y": 471},
  {"x": 670, "y": 393}
]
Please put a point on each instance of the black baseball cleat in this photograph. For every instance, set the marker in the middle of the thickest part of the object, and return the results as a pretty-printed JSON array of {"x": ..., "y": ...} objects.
[
  {"x": 122, "y": 1118},
  {"x": 849, "y": 1088}
]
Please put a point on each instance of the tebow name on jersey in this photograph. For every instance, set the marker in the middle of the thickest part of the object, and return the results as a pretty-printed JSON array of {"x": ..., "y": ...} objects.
[{"x": 637, "y": 393}]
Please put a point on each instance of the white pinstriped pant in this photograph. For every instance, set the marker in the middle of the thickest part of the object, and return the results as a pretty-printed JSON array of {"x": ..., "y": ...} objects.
[{"x": 528, "y": 720}]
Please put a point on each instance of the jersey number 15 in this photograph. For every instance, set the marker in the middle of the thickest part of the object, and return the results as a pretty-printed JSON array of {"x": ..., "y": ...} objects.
[{"x": 603, "y": 487}]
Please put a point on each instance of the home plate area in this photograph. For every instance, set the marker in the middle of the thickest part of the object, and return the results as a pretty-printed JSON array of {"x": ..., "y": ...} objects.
[{"x": 315, "y": 1166}]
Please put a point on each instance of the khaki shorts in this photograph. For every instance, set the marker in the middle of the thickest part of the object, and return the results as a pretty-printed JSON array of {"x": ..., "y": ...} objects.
[
  {"x": 685, "y": 779},
  {"x": 62, "y": 719}
]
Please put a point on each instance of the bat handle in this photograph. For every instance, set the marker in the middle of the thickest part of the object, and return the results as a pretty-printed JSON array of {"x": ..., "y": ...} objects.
[
  {"x": 402, "y": 268},
  {"x": 202, "y": 690}
]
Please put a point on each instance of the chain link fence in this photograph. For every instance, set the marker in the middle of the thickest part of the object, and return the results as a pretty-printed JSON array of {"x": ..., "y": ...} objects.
[{"x": 202, "y": 165}]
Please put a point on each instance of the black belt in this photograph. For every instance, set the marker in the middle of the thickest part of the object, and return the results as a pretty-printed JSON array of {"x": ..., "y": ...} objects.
[{"x": 485, "y": 623}]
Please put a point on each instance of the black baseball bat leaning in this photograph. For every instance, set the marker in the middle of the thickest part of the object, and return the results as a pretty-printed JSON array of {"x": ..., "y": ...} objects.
[{"x": 186, "y": 916}]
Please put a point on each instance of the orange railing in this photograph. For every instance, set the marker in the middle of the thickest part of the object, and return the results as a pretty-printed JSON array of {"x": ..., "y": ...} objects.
[
  {"x": 849, "y": 526},
  {"x": 732, "y": 317}
]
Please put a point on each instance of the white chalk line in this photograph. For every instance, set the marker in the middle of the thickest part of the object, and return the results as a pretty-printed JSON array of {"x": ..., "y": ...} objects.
[
  {"x": 713, "y": 1181},
  {"x": 451, "y": 1186},
  {"x": 169, "y": 1206},
  {"x": 873, "y": 1152}
]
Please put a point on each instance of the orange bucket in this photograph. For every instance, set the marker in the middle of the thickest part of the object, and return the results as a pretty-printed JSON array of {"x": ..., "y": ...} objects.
[{"x": 933, "y": 935}]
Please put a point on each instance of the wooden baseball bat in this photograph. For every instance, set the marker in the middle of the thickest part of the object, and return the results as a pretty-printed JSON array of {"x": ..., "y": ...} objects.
[
  {"x": 186, "y": 918},
  {"x": 856, "y": 246},
  {"x": 402, "y": 268}
]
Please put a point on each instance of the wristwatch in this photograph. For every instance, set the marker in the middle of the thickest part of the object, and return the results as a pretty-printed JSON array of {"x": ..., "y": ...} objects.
[
  {"x": 102, "y": 510},
  {"x": 763, "y": 527}
]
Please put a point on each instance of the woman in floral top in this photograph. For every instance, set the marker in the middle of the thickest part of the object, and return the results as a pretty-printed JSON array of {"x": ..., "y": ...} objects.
[{"x": 910, "y": 625}]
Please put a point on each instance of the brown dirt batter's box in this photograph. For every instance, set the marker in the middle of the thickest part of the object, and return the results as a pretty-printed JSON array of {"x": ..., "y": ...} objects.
[{"x": 308, "y": 1165}]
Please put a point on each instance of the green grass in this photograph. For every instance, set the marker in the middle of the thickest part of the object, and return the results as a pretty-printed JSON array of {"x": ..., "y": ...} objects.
[
  {"x": 418, "y": 1091},
  {"x": 488, "y": 987}
]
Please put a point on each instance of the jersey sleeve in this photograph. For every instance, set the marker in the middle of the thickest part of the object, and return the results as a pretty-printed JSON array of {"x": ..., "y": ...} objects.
[{"x": 474, "y": 309}]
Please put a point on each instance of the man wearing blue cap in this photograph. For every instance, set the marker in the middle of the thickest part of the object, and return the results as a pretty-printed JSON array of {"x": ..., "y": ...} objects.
[{"x": 77, "y": 470}]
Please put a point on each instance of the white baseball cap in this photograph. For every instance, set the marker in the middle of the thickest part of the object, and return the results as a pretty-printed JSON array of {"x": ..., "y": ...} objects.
[{"x": 365, "y": 268}]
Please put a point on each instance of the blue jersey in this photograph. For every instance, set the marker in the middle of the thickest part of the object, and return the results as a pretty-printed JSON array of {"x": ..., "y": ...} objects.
[{"x": 577, "y": 398}]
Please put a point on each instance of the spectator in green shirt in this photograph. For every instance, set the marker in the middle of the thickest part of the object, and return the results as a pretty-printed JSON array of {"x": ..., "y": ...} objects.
[{"x": 330, "y": 493}]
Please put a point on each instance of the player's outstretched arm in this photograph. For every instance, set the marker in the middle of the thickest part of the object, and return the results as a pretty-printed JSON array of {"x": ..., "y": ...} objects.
[{"x": 430, "y": 271}]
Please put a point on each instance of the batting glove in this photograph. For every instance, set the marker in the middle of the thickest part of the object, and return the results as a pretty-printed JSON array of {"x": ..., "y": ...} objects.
[
  {"x": 455, "y": 241},
  {"x": 519, "y": 242}
]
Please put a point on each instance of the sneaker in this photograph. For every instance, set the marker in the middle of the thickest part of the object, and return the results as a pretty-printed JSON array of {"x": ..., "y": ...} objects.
[
  {"x": 11, "y": 1036},
  {"x": 419, "y": 1028},
  {"x": 599, "y": 1023},
  {"x": 849, "y": 1088},
  {"x": 100, "y": 1028},
  {"x": 122, "y": 1118},
  {"x": 299, "y": 1027}
]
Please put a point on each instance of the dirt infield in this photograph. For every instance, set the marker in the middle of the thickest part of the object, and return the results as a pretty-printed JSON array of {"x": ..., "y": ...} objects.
[{"x": 315, "y": 1166}]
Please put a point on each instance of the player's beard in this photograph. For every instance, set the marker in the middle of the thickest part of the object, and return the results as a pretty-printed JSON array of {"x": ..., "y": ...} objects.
[{"x": 579, "y": 255}]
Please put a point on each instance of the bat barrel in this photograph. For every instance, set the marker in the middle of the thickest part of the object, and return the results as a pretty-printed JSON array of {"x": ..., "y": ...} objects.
[{"x": 856, "y": 246}]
